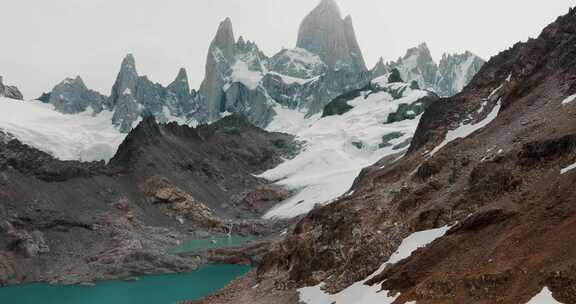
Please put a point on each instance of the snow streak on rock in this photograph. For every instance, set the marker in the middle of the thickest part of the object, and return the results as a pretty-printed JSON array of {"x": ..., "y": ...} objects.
[{"x": 359, "y": 293}]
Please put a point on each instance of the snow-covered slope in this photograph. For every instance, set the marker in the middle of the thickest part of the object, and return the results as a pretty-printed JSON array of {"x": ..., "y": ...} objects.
[
  {"x": 338, "y": 147},
  {"x": 83, "y": 136}
]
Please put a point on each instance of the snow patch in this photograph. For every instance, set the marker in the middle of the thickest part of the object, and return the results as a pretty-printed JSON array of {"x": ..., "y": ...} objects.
[
  {"x": 242, "y": 73},
  {"x": 292, "y": 80},
  {"x": 569, "y": 99},
  {"x": 544, "y": 297},
  {"x": 358, "y": 293},
  {"x": 82, "y": 136},
  {"x": 568, "y": 169},
  {"x": 466, "y": 129}
]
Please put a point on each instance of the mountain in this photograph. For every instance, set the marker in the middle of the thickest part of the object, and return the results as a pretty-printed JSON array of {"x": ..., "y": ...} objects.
[
  {"x": 72, "y": 96},
  {"x": 325, "y": 33},
  {"x": 132, "y": 98},
  {"x": 447, "y": 78},
  {"x": 326, "y": 62},
  {"x": 9, "y": 91},
  {"x": 456, "y": 71},
  {"x": 239, "y": 78},
  {"x": 167, "y": 182},
  {"x": 480, "y": 209}
]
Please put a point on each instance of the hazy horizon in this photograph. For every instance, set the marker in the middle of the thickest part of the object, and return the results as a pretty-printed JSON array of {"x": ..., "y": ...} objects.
[{"x": 65, "y": 38}]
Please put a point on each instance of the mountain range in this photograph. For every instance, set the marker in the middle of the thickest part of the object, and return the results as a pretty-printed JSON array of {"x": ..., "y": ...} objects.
[{"x": 326, "y": 62}]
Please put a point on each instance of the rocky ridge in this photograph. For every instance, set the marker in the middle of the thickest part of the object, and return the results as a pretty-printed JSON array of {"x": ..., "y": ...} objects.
[{"x": 167, "y": 183}]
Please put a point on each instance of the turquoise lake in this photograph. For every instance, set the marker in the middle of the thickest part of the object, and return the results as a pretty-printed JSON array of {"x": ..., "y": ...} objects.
[
  {"x": 196, "y": 245},
  {"x": 153, "y": 289}
]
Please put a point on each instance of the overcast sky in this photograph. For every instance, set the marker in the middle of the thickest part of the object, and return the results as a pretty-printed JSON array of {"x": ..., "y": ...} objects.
[{"x": 45, "y": 41}]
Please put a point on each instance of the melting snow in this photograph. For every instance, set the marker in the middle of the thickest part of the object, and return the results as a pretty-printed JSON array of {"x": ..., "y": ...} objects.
[
  {"x": 464, "y": 130},
  {"x": 331, "y": 158},
  {"x": 291, "y": 80},
  {"x": 358, "y": 293},
  {"x": 83, "y": 136},
  {"x": 544, "y": 297},
  {"x": 569, "y": 99},
  {"x": 569, "y": 168}
]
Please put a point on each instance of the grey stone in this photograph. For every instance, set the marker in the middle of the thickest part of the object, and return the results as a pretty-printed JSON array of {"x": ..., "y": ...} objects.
[
  {"x": 325, "y": 33},
  {"x": 71, "y": 96}
]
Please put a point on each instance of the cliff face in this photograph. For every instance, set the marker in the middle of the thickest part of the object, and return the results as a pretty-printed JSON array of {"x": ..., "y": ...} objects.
[
  {"x": 325, "y": 33},
  {"x": 492, "y": 164}
]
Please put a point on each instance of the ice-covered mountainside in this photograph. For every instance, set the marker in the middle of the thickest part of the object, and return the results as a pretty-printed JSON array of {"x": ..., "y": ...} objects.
[
  {"x": 338, "y": 147},
  {"x": 83, "y": 136},
  {"x": 359, "y": 293},
  {"x": 446, "y": 78}
]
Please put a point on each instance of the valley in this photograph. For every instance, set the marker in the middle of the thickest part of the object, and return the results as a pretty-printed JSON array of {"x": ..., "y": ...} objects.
[{"x": 301, "y": 177}]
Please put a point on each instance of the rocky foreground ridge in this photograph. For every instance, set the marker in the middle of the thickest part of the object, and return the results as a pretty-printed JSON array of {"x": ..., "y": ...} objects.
[
  {"x": 493, "y": 163},
  {"x": 167, "y": 183}
]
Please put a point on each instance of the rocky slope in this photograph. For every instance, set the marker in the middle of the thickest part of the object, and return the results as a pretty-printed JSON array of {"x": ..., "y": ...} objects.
[
  {"x": 9, "y": 91},
  {"x": 89, "y": 221},
  {"x": 493, "y": 165}
]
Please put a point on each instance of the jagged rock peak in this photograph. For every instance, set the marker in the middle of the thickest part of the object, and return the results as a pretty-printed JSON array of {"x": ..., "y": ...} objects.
[
  {"x": 224, "y": 39},
  {"x": 325, "y": 33},
  {"x": 9, "y": 91},
  {"x": 329, "y": 6},
  {"x": 421, "y": 50},
  {"x": 71, "y": 96},
  {"x": 182, "y": 77},
  {"x": 129, "y": 63},
  {"x": 379, "y": 69}
]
